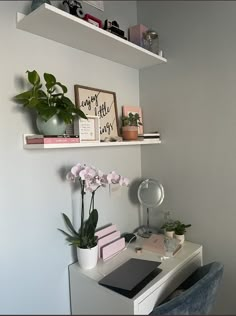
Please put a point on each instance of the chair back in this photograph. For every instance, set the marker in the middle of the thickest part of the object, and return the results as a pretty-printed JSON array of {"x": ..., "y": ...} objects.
[{"x": 198, "y": 293}]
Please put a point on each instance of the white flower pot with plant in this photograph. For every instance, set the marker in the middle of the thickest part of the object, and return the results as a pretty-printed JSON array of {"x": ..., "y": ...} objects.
[
  {"x": 180, "y": 229},
  {"x": 90, "y": 180},
  {"x": 169, "y": 228},
  {"x": 88, "y": 257},
  {"x": 130, "y": 125},
  {"x": 54, "y": 110}
]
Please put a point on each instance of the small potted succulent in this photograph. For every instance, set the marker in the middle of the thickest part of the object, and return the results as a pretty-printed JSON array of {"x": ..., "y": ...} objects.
[
  {"x": 130, "y": 125},
  {"x": 169, "y": 228},
  {"x": 180, "y": 229},
  {"x": 54, "y": 110}
]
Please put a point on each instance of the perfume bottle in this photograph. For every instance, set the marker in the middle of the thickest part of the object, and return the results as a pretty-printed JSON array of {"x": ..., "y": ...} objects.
[{"x": 151, "y": 41}]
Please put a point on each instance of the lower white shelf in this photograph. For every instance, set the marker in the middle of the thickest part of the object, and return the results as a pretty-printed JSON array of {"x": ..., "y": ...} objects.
[{"x": 90, "y": 144}]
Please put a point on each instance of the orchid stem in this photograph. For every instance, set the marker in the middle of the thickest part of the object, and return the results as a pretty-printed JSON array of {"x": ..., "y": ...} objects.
[{"x": 82, "y": 208}]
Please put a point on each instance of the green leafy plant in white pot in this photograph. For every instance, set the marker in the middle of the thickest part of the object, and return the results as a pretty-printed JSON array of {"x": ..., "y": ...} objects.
[
  {"x": 130, "y": 124},
  {"x": 180, "y": 230},
  {"x": 85, "y": 240},
  {"x": 54, "y": 110}
]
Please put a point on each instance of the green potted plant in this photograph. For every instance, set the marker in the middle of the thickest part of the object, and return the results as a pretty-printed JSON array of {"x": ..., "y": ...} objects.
[
  {"x": 130, "y": 125},
  {"x": 180, "y": 230},
  {"x": 85, "y": 240},
  {"x": 54, "y": 110},
  {"x": 169, "y": 228}
]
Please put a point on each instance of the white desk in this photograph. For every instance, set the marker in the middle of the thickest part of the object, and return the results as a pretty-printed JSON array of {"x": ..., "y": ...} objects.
[{"x": 88, "y": 297}]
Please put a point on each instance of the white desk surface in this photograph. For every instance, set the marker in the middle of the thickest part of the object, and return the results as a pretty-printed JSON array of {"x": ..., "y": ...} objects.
[{"x": 174, "y": 270}]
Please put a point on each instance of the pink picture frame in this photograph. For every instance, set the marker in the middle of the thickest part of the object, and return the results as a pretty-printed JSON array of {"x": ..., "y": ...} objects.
[
  {"x": 93, "y": 20},
  {"x": 126, "y": 109}
]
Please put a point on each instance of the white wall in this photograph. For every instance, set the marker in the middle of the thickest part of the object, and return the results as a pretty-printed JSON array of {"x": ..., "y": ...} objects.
[
  {"x": 192, "y": 101},
  {"x": 34, "y": 255}
]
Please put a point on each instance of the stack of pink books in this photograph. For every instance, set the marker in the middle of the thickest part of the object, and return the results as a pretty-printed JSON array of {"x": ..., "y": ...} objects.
[{"x": 52, "y": 139}]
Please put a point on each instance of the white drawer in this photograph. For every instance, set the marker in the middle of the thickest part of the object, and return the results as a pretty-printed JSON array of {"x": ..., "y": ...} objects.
[{"x": 170, "y": 284}]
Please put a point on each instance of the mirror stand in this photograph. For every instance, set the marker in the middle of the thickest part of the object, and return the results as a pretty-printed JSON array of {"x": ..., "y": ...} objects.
[
  {"x": 146, "y": 231},
  {"x": 150, "y": 194}
]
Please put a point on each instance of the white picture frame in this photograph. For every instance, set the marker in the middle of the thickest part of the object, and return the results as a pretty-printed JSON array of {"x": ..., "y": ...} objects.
[{"x": 88, "y": 130}]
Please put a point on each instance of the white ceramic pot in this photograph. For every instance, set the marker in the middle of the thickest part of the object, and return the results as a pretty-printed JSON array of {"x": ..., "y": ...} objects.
[
  {"x": 181, "y": 238},
  {"x": 169, "y": 234},
  {"x": 54, "y": 126},
  {"x": 87, "y": 258}
]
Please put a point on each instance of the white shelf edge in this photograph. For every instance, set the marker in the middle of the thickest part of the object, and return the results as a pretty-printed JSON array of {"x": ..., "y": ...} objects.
[
  {"x": 86, "y": 145},
  {"x": 51, "y": 15}
]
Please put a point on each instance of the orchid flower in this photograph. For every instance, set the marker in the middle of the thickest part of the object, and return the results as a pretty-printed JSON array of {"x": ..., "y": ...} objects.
[
  {"x": 113, "y": 177},
  {"x": 124, "y": 181},
  {"x": 76, "y": 169},
  {"x": 91, "y": 179}
]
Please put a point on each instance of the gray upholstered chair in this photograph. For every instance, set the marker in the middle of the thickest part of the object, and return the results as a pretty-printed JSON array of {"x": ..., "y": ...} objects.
[{"x": 196, "y": 294}]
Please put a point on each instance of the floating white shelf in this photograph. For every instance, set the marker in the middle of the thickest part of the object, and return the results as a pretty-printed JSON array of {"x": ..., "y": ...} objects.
[
  {"x": 82, "y": 145},
  {"x": 52, "y": 23}
]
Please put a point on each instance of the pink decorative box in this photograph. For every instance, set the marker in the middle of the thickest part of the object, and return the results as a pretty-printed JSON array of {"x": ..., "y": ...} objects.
[
  {"x": 113, "y": 248},
  {"x": 107, "y": 240},
  {"x": 135, "y": 34},
  {"x": 105, "y": 231}
]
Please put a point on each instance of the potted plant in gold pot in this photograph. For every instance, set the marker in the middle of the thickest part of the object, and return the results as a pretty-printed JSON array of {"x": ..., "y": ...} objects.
[{"x": 130, "y": 125}]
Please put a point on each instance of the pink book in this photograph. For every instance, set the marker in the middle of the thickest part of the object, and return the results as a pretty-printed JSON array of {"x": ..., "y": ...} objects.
[
  {"x": 52, "y": 140},
  {"x": 113, "y": 248},
  {"x": 106, "y": 240},
  {"x": 155, "y": 243}
]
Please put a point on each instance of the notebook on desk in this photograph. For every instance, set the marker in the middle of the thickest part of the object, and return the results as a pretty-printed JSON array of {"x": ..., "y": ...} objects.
[{"x": 131, "y": 277}]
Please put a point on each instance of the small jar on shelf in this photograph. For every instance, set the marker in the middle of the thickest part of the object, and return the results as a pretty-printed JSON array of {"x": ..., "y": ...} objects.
[{"x": 151, "y": 41}]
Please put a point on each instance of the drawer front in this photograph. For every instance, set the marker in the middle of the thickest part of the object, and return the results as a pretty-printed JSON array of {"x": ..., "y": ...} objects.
[{"x": 160, "y": 293}]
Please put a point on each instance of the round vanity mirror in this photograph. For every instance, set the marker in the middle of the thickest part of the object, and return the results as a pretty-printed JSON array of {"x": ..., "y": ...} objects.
[{"x": 150, "y": 195}]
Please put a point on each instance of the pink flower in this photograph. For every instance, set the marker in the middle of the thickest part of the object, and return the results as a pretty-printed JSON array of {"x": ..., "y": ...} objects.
[
  {"x": 77, "y": 169},
  {"x": 88, "y": 173},
  {"x": 124, "y": 181},
  {"x": 94, "y": 178},
  {"x": 70, "y": 176},
  {"x": 113, "y": 178}
]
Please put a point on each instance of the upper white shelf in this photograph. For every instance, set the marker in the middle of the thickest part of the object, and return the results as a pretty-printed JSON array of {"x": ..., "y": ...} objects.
[{"x": 62, "y": 27}]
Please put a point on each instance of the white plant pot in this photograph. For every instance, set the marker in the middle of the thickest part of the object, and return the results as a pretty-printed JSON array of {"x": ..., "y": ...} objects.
[
  {"x": 54, "y": 126},
  {"x": 87, "y": 258},
  {"x": 169, "y": 234},
  {"x": 181, "y": 238}
]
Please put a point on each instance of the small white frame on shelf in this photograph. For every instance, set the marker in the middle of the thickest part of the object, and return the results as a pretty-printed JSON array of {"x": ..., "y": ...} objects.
[
  {"x": 52, "y": 23},
  {"x": 88, "y": 144},
  {"x": 88, "y": 130}
]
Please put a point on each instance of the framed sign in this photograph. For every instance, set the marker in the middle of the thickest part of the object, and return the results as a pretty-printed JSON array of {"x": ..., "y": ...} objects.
[
  {"x": 134, "y": 109},
  {"x": 101, "y": 103}
]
